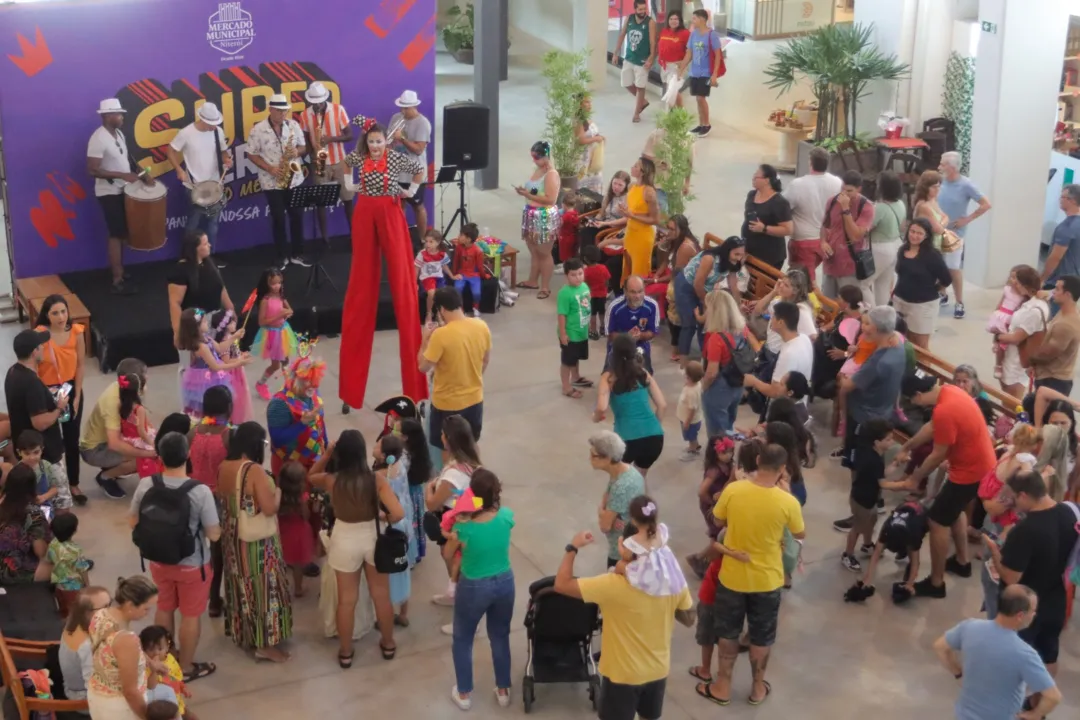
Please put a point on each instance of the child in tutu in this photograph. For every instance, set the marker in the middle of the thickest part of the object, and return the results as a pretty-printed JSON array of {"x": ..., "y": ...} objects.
[
  {"x": 647, "y": 562},
  {"x": 207, "y": 367},
  {"x": 294, "y": 523},
  {"x": 135, "y": 425},
  {"x": 225, "y": 335},
  {"x": 275, "y": 340},
  {"x": 1011, "y": 299}
]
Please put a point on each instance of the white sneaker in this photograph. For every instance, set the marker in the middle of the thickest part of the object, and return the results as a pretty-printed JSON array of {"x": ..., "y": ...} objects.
[
  {"x": 559, "y": 270},
  {"x": 444, "y": 600},
  {"x": 504, "y": 700},
  {"x": 476, "y": 312},
  {"x": 463, "y": 703}
]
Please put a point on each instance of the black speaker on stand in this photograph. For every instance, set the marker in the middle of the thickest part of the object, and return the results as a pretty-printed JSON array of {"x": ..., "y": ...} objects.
[{"x": 464, "y": 147}]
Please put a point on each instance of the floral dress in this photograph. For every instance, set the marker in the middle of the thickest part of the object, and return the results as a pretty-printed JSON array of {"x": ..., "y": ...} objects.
[
  {"x": 105, "y": 691},
  {"x": 18, "y": 561},
  {"x": 258, "y": 606}
]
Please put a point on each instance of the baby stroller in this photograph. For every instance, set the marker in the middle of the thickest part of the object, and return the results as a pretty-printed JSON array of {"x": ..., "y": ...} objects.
[{"x": 560, "y": 631}]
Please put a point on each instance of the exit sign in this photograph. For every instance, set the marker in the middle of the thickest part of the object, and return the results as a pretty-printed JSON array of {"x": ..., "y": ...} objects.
[{"x": 989, "y": 27}]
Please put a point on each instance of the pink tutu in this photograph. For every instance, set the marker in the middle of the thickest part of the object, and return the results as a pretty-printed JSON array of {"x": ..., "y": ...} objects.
[
  {"x": 1000, "y": 319},
  {"x": 241, "y": 409}
]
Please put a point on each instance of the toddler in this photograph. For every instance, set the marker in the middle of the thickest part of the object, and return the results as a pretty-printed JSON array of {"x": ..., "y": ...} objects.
[
  {"x": 52, "y": 490},
  {"x": 902, "y": 533},
  {"x": 705, "y": 632},
  {"x": 597, "y": 277},
  {"x": 163, "y": 670},
  {"x": 135, "y": 426},
  {"x": 391, "y": 457},
  {"x": 1011, "y": 299},
  {"x": 468, "y": 265},
  {"x": 689, "y": 409},
  {"x": 573, "y": 307},
  {"x": 210, "y": 362},
  {"x": 275, "y": 340},
  {"x": 294, "y": 523},
  {"x": 568, "y": 229},
  {"x": 646, "y": 560},
  {"x": 71, "y": 569},
  {"x": 162, "y": 710},
  {"x": 432, "y": 268}
]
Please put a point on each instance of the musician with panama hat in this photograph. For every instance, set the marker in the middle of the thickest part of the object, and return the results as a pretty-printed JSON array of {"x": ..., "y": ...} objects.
[
  {"x": 108, "y": 162},
  {"x": 326, "y": 126},
  {"x": 201, "y": 149},
  {"x": 412, "y": 138},
  {"x": 275, "y": 146}
]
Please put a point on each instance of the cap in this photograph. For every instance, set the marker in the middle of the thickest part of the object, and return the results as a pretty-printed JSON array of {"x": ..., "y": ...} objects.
[
  {"x": 110, "y": 105},
  {"x": 913, "y": 385},
  {"x": 27, "y": 341},
  {"x": 280, "y": 102},
  {"x": 317, "y": 93},
  {"x": 209, "y": 114}
]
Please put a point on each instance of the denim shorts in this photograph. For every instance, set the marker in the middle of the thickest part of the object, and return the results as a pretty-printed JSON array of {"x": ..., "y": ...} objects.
[{"x": 690, "y": 434}]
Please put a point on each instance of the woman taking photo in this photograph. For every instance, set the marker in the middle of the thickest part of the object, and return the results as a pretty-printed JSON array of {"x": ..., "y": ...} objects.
[
  {"x": 117, "y": 689},
  {"x": 75, "y": 653},
  {"x": 889, "y": 215},
  {"x": 643, "y": 212},
  {"x": 356, "y": 494},
  {"x": 636, "y": 404},
  {"x": 540, "y": 219},
  {"x": 24, "y": 531},
  {"x": 920, "y": 274},
  {"x": 724, "y": 327},
  {"x": 679, "y": 246},
  {"x": 486, "y": 587},
  {"x": 590, "y": 164},
  {"x": 767, "y": 218},
  {"x": 63, "y": 360},
  {"x": 702, "y": 273},
  {"x": 671, "y": 49},
  {"x": 258, "y": 604},
  {"x": 195, "y": 281}
]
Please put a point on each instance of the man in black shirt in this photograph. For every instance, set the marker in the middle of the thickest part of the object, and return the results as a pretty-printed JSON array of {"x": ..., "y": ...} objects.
[
  {"x": 1035, "y": 554},
  {"x": 30, "y": 404}
]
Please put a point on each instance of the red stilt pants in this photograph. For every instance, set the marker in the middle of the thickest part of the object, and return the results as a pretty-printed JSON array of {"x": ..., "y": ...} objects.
[{"x": 379, "y": 224}]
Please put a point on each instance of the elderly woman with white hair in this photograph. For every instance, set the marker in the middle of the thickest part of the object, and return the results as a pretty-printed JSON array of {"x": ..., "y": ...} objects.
[
  {"x": 956, "y": 195},
  {"x": 624, "y": 484}
]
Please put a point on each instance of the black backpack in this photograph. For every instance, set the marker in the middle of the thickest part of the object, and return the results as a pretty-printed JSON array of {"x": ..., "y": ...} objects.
[
  {"x": 743, "y": 359},
  {"x": 163, "y": 532}
]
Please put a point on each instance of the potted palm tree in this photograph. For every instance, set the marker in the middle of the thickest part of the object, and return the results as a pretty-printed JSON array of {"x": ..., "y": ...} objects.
[
  {"x": 568, "y": 79},
  {"x": 840, "y": 62},
  {"x": 673, "y": 154}
]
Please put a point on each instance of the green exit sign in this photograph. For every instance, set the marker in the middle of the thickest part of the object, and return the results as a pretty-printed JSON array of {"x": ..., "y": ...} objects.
[{"x": 989, "y": 27}]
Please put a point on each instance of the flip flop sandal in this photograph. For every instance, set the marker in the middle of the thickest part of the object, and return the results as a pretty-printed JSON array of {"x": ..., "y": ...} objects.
[
  {"x": 768, "y": 690},
  {"x": 575, "y": 394},
  {"x": 345, "y": 661},
  {"x": 694, "y": 673},
  {"x": 528, "y": 286},
  {"x": 702, "y": 689},
  {"x": 387, "y": 653},
  {"x": 543, "y": 295},
  {"x": 199, "y": 671},
  {"x": 582, "y": 383}
]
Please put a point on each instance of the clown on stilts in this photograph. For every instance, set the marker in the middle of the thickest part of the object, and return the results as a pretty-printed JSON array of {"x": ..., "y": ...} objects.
[{"x": 379, "y": 225}]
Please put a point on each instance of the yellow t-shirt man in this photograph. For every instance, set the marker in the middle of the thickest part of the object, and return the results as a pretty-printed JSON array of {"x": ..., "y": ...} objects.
[
  {"x": 756, "y": 518},
  {"x": 636, "y": 647},
  {"x": 457, "y": 350},
  {"x": 104, "y": 417}
]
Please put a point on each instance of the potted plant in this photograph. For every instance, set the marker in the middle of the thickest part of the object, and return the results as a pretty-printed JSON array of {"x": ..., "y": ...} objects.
[
  {"x": 568, "y": 79},
  {"x": 458, "y": 35},
  {"x": 674, "y": 153},
  {"x": 840, "y": 62}
]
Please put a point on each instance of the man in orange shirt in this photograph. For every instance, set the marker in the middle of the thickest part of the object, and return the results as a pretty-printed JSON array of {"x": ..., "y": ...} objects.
[{"x": 960, "y": 436}]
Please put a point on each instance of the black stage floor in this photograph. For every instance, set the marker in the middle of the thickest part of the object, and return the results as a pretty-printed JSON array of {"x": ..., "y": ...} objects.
[{"x": 138, "y": 325}]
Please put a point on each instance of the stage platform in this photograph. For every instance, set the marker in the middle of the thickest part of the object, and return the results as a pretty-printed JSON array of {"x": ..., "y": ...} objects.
[{"x": 138, "y": 325}]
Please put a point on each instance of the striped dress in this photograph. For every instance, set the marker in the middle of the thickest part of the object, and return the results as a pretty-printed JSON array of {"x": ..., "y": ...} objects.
[{"x": 258, "y": 604}]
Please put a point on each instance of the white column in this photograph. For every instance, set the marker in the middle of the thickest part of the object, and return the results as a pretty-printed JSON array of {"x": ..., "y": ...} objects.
[
  {"x": 590, "y": 31},
  {"x": 1017, "y": 77}
]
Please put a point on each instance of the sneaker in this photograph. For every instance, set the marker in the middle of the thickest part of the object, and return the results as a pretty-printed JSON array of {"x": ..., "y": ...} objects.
[
  {"x": 867, "y": 549},
  {"x": 696, "y": 131},
  {"x": 444, "y": 600},
  {"x": 881, "y": 506},
  {"x": 958, "y": 311},
  {"x": 502, "y": 698},
  {"x": 281, "y": 264},
  {"x": 944, "y": 299},
  {"x": 299, "y": 260},
  {"x": 110, "y": 487},
  {"x": 594, "y": 335},
  {"x": 926, "y": 588},
  {"x": 902, "y": 558},
  {"x": 262, "y": 390},
  {"x": 844, "y": 525},
  {"x": 124, "y": 288},
  {"x": 850, "y": 563},
  {"x": 476, "y": 312},
  {"x": 837, "y": 454},
  {"x": 312, "y": 570},
  {"x": 559, "y": 269},
  {"x": 705, "y": 130},
  {"x": 952, "y": 565},
  {"x": 463, "y": 703},
  {"x": 689, "y": 455}
]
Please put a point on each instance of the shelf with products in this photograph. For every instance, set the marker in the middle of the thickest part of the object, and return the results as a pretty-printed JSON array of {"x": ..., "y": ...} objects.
[{"x": 1067, "y": 128}]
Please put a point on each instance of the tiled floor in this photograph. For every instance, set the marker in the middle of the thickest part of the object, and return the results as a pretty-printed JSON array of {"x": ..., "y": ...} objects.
[{"x": 831, "y": 660}]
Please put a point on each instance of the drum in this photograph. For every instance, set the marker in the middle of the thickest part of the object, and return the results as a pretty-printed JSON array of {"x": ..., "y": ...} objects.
[
  {"x": 145, "y": 208},
  {"x": 208, "y": 194}
]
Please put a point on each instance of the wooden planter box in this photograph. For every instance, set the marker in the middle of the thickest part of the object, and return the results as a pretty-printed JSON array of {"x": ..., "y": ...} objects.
[{"x": 869, "y": 158}]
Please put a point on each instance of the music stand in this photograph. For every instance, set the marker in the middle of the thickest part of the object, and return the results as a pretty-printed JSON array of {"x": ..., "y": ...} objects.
[
  {"x": 304, "y": 197},
  {"x": 453, "y": 174}
]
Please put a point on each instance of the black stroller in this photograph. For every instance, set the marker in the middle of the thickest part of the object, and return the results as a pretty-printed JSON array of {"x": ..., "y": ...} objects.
[{"x": 560, "y": 631}]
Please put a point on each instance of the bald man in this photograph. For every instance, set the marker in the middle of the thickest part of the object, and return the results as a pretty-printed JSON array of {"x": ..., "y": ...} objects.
[{"x": 636, "y": 314}]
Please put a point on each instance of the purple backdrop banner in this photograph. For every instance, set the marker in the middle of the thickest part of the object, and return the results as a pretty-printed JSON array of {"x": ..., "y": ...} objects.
[{"x": 163, "y": 59}]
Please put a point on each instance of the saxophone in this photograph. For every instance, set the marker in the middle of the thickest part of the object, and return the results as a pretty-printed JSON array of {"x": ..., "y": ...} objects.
[
  {"x": 321, "y": 153},
  {"x": 290, "y": 165}
]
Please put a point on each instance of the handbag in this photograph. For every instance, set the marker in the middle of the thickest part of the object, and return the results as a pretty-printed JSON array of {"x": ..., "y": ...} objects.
[
  {"x": 951, "y": 242},
  {"x": 391, "y": 549},
  {"x": 252, "y": 527},
  {"x": 864, "y": 259}
]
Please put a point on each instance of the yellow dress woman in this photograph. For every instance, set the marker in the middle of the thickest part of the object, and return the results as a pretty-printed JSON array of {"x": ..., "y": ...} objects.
[{"x": 643, "y": 213}]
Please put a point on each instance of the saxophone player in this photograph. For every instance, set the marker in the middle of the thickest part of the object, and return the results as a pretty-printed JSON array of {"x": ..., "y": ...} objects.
[
  {"x": 275, "y": 146},
  {"x": 328, "y": 130}
]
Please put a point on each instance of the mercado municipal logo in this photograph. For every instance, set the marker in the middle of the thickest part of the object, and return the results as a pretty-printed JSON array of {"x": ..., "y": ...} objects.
[{"x": 230, "y": 29}]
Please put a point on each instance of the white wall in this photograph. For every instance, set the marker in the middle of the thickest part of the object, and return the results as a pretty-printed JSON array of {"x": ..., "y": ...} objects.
[{"x": 551, "y": 21}]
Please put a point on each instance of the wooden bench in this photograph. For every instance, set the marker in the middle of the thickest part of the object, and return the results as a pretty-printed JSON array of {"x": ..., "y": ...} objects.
[
  {"x": 931, "y": 364},
  {"x": 35, "y": 652}
]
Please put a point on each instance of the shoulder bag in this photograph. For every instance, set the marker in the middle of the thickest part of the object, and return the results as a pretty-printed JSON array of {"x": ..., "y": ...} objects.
[
  {"x": 864, "y": 259},
  {"x": 251, "y": 527},
  {"x": 391, "y": 545},
  {"x": 1032, "y": 342},
  {"x": 951, "y": 242}
]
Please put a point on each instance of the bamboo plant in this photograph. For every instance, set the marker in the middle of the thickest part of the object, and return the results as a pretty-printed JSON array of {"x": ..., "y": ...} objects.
[
  {"x": 568, "y": 81},
  {"x": 674, "y": 153}
]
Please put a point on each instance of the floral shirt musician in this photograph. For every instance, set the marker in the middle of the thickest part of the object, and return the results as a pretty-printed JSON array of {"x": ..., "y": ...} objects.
[
  {"x": 379, "y": 178},
  {"x": 267, "y": 144}
]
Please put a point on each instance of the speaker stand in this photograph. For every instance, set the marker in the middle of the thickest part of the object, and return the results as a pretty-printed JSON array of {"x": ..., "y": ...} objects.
[{"x": 461, "y": 215}]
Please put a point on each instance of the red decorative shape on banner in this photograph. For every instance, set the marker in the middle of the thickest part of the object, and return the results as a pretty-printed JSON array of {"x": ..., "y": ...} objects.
[
  {"x": 70, "y": 191},
  {"x": 389, "y": 14},
  {"x": 419, "y": 46},
  {"x": 35, "y": 56},
  {"x": 51, "y": 219}
]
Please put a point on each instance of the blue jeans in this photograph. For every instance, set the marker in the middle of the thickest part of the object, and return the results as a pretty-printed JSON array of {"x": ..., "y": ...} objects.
[
  {"x": 690, "y": 433},
  {"x": 799, "y": 491},
  {"x": 198, "y": 219},
  {"x": 990, "y": 593},
  {"x": 685, "y": 302},
  {"x": 473, "y": 282},
  {"x": 720, "y": 403},
  {"x": 492, "y": 596}
]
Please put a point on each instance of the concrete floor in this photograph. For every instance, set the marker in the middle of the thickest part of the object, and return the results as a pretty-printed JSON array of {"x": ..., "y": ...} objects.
[{"x": 831, "y": 660}]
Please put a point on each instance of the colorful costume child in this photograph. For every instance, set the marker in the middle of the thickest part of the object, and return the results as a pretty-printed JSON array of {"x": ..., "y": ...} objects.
[
  {"x": 291, "y": 438},
  {"x": 198, "y": 377},
  {"x": 469, "y": 264},
  {"x": 432, "y": 269},
  {"x": 277, "y": 341}
]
